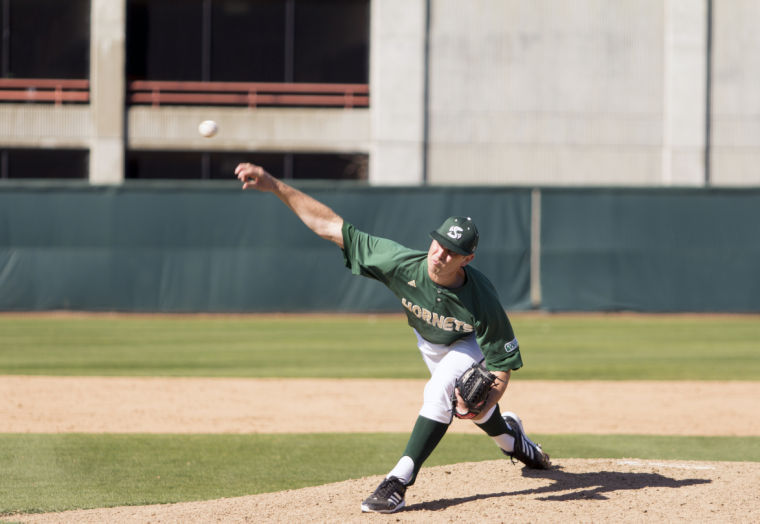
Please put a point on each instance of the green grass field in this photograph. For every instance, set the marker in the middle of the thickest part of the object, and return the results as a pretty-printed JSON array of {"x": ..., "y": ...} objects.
[
  {"x": 56, "y": 472},
  {"x": 576, "y": 347}
]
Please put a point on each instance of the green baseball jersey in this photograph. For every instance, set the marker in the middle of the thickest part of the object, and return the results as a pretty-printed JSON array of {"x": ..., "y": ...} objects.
[{"x": 440, "y": 315}]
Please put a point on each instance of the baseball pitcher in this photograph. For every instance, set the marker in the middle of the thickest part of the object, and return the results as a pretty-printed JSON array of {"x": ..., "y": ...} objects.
[{"x": 463, "y": 333}]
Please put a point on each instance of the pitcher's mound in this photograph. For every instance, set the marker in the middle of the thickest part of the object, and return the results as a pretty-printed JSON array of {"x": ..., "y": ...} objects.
[{"x": 575, "y": 490}]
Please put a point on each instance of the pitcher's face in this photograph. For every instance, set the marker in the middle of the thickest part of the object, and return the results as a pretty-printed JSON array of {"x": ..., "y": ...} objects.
[{"x": 443, "y": 264}]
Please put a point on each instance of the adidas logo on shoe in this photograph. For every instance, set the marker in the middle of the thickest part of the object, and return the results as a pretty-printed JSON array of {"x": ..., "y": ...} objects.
[
  {"x": 387, "y": 498},
  {"x": 525, "y": 450}
]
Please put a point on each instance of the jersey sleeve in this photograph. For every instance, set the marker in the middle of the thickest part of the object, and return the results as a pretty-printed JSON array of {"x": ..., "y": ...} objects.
[
  {"x": 370, "y": 256},
  {"x": 498, "y": 342},
  {"x": 493, "y": 330}
]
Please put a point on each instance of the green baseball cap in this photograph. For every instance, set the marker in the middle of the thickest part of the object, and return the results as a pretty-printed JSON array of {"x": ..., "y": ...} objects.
[{"x": 458, "y": 234}]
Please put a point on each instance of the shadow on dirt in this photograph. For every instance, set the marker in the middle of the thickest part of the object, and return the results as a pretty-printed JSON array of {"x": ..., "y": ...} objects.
[{"x": 571, "y": 486}]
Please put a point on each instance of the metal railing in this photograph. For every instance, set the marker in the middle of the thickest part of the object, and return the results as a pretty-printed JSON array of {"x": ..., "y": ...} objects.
[
  {"x": 250, "y": 94},
  {"x": 44, "y": 90},
  {"x": 157, "y": 93}
]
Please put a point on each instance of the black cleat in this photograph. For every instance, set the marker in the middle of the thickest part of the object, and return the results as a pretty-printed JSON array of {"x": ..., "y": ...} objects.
[
  {"x": 525, "y": 450},
  {"x": 387, "y": 498}
]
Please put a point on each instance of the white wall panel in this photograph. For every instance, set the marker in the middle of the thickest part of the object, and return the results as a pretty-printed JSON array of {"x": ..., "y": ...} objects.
[{"x": 37, "y": 125}]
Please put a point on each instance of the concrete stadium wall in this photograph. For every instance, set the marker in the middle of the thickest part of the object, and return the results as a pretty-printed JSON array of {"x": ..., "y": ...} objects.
[
  {"x": 736, "y": 99},
  {"x": 264, "y": 129},
  {"x": 498, "y": 92},
  {"x": 568, "y": 93}
]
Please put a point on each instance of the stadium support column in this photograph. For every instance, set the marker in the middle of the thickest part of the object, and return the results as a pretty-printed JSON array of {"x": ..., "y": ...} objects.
[
  {"x": 107, "y": 89},
  {"x": 397, "y": 81},
  {"x": 684, "y": 71}
]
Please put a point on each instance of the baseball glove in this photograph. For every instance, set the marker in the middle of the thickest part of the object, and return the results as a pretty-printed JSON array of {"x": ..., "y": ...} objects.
[{"x": 473, "y": 385}]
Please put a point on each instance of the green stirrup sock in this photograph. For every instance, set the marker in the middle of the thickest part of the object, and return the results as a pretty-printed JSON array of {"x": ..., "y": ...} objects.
[
  {"x": 495, "y": 425},
  {"x": 425, "y": 437}
]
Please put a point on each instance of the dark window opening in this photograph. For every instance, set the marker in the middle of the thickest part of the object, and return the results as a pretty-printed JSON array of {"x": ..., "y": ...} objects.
[
  {"x": 45, "y": 39},
  {"x": 253, "y": 34},
  {"x": 164, "y": 39},
  {"x": 320, "y": 41},
  {"x": 44, "y": 163},
  {"x": 191, "y": 165},
  {"x": 331, "y": 41}
]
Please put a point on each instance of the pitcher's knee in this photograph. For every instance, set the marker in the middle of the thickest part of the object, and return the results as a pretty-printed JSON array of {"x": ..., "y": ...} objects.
[{"x": 436, "y": 411}]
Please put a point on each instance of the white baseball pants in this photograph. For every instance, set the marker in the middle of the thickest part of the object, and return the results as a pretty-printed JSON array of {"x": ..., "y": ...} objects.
[{"x": 446, "y": 365}]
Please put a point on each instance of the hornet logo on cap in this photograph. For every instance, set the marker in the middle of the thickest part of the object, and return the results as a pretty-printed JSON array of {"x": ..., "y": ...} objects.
[{"x": 455, "y": 232}]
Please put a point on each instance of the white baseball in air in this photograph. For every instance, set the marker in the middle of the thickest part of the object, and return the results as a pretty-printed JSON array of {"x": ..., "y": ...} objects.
[{"x": 208, "y": 128}]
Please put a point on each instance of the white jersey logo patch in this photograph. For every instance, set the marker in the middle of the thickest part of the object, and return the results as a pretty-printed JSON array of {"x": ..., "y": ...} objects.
[
  {"x": 512, "y": 345},
  {"x": 412, "y": 283},
  {"x": 455, "y": 232}
]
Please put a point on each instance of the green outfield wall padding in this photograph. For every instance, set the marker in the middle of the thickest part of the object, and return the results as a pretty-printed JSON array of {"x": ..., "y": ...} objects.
[
  {"x": 651, "y": 249},
  {"x": 215, "y": 248},
  {"x": 154, "y": 247}
]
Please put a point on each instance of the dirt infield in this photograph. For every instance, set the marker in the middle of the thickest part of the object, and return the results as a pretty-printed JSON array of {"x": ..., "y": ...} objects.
[
  {"x": 218, "y": 405},
  {"x": 574, "y": 491}
]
